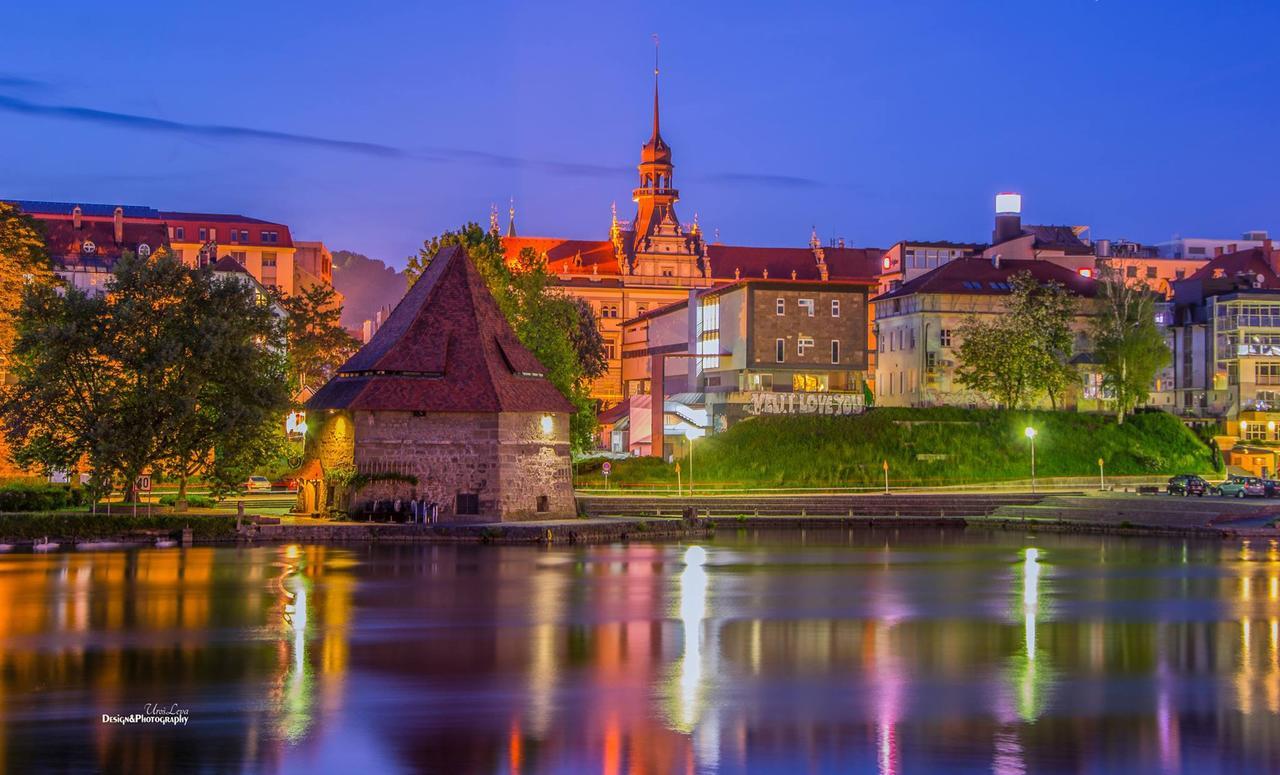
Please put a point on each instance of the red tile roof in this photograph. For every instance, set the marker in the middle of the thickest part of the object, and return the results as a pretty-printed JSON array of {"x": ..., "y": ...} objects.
[
  {"x": 567, "y": 256},
  {"x": 1253, "y": 261},
  {"x": 66, "y": 243},
  {"x": 445, "y": 348},
  {"x": 225, "y": 223},
  {"x": 588, "y": 257},
  {"x": 980, "y": 276},
  {"x": 842, "y": 263}
]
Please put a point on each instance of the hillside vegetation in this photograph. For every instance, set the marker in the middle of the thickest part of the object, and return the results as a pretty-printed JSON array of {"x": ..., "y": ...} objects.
[{"x": 926, "y": 447}]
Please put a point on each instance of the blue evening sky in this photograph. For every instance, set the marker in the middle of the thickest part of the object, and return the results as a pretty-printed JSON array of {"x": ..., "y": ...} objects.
[{"x": 373, "y": 125}]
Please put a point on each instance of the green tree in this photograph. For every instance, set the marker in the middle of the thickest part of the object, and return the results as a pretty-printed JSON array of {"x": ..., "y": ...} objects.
[
  {"x": 546, "y": 320},
  {"x": 62, "y": 410},
  {"x": 317, "y": 343},
  {"x": 24, "y": 262},
  {"x": 1015, "y": 356},
  {"x": 233, "y": 390},
  {"x": 1128, "y": 343},
  {"x": 1046, "y": 310},
  {"x": 169, "y": 368}
]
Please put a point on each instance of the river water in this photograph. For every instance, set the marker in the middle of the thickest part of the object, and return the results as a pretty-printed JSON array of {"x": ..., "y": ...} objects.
[{"x": 834, "y": 651}]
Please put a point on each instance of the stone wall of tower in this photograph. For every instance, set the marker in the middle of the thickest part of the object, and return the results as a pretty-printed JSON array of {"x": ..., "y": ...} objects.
[
  {"x": 504, "y": 459},
  {"x": 535, "y": 466}
]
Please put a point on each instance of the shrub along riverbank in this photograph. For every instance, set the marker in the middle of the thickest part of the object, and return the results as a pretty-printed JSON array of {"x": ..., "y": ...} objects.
[
  {"x": 938, "y": 446},
  {"x": 83, "y": 527}
]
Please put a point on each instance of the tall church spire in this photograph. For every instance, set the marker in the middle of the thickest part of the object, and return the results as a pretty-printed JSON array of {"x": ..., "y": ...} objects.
[
  {"x": 656, "y": 133},
  {"x": 511, "y": 218}
]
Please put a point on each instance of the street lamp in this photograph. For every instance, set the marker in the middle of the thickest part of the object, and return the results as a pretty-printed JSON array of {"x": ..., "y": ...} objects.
[{"x": 1031, "y": 436}]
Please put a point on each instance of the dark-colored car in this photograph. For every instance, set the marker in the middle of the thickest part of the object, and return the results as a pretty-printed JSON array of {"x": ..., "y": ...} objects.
[{"x": 1187, "y": 484}]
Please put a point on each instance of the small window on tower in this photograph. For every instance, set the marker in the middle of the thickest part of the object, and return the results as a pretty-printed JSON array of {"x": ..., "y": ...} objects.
[{"x": 781, "y": 306}]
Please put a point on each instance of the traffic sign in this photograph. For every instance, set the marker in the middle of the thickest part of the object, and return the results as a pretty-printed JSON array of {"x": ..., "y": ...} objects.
[
  {"x": 606, "y": 468},
  {"x": 143, "y": 483}
]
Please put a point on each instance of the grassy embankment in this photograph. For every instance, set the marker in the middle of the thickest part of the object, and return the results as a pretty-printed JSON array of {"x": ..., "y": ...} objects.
[{"x": 941, "y": 446}]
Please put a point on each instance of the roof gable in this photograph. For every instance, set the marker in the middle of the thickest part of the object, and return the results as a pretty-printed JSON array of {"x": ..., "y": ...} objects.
[{"x": 446, "y": 347}]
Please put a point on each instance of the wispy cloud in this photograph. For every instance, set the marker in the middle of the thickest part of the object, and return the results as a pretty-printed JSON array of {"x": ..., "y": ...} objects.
[
  {"x": 753, "y": 178},
  {"x": 22, "y": 82},
  {"x": 13, "y": 104},
  {"x": 215, "y": 131}
]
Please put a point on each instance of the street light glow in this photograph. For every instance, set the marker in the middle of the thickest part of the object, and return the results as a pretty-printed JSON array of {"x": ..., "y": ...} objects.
[{"x": 1030, "y": 432}]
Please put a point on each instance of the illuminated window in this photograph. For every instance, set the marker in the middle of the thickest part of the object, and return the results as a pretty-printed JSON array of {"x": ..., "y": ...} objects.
[{"x": 809, "y": 383}]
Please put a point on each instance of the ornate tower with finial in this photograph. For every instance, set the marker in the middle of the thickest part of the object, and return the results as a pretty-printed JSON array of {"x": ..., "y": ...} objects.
[
  {"x": 659, "y": 247},
  {"x": 493, "y": 218},
  {"x": 511, "y": 218}
]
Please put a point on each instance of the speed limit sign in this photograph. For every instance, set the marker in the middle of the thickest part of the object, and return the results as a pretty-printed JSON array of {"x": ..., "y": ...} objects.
[{"x": 143, "y": 483}]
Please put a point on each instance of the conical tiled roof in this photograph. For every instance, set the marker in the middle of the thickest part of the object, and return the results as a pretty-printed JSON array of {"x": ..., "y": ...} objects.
[{"x": 445, "y": 348}]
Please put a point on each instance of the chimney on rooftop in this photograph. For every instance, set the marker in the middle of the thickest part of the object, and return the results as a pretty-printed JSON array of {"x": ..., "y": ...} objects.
[
  {"x": 995, "y": 260},
  {"x": 1008, "y": 217},
  {"x": 75, "y": 216},
  {"x": 118, "y": 221}
]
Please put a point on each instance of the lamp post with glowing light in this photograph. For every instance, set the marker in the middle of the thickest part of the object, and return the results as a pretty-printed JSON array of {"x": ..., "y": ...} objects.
[{"x": 1031, "y": 436}]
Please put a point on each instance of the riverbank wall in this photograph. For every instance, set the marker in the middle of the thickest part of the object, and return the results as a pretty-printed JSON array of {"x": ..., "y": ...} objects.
[{"x": 609, "y": 520}]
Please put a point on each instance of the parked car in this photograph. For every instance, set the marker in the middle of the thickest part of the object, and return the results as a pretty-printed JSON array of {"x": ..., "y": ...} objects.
[
  {"x": 1187, "y": 484},
  {"x": 1271, "y": 487},
  {"x": 1242, "y": 487},
  {"x": 287, "y": 484},
  {"x": 258, "y": 484}
]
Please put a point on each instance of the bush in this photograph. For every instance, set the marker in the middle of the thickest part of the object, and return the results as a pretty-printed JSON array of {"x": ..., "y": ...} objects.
[
  {"x": 193, "y": 501},
  {"x": 39, "y": 496},
  {"x": 81, "y": 527}
]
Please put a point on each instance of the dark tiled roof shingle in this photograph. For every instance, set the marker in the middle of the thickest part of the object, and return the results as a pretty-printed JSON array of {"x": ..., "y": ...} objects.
[{"x": 445, "y": 348}]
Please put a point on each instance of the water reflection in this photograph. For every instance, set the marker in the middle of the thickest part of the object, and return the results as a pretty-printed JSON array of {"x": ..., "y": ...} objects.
[{"x": 889, "y": 651}]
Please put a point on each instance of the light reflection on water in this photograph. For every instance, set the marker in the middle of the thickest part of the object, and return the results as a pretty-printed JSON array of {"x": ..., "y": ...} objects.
[{"x": 874, "y": 651}]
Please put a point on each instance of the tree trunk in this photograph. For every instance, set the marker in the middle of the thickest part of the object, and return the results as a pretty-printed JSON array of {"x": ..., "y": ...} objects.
[
  {"x": 1120, "y": 392},
  {"x": 180, "y": 501}
]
